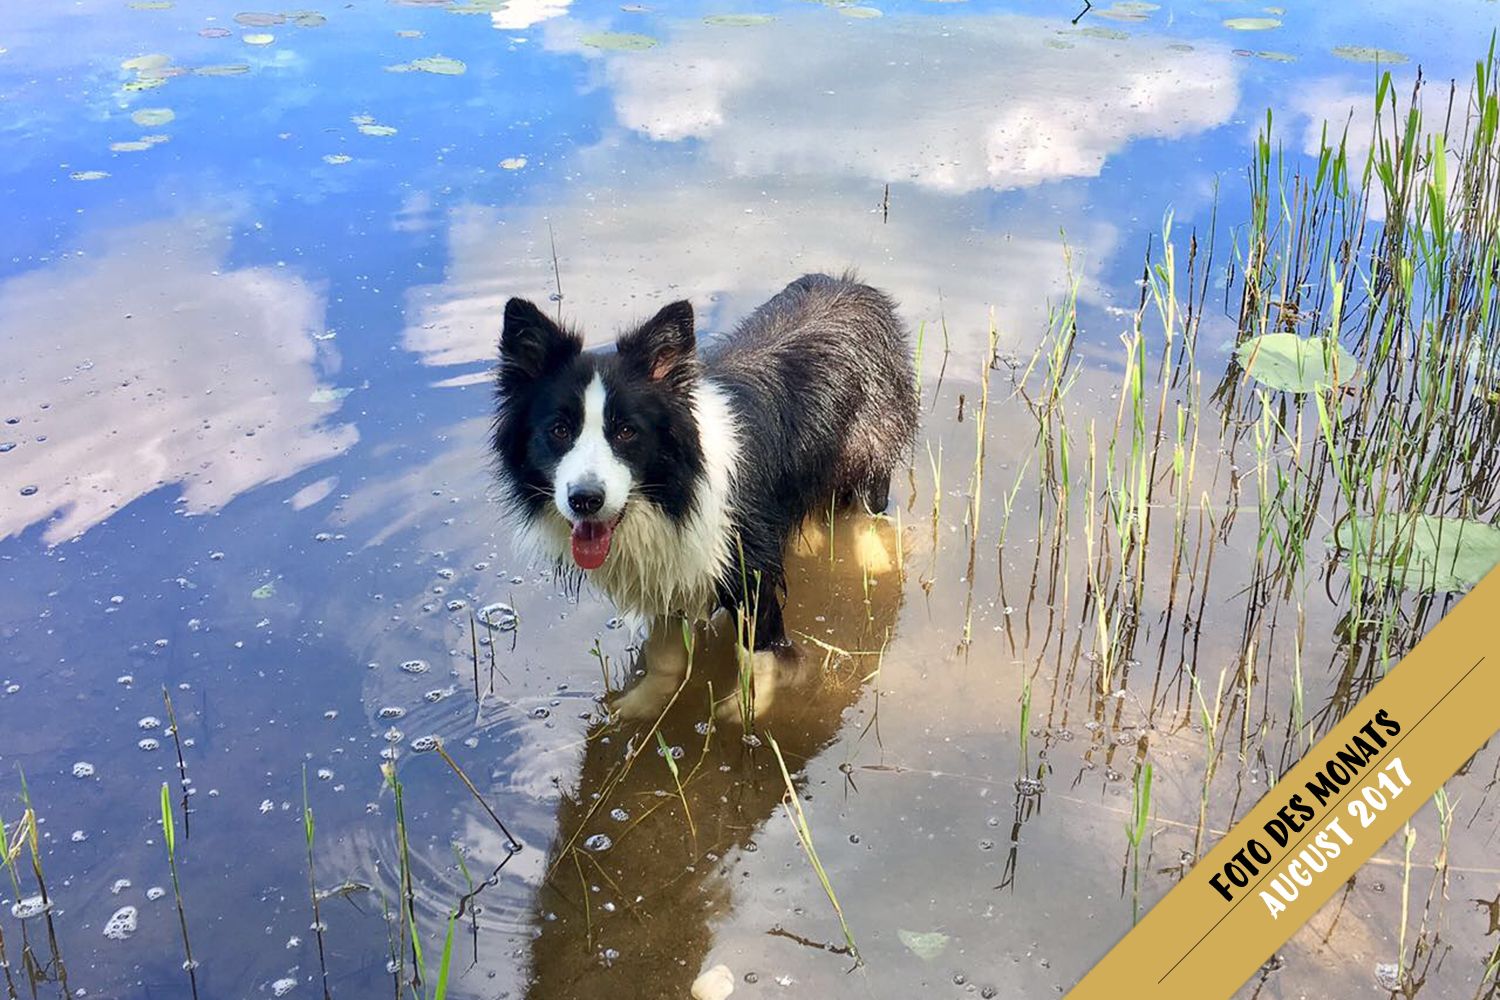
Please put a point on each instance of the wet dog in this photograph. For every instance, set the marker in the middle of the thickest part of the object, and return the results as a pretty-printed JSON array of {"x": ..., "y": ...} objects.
[{"x": 671, "y": 479}]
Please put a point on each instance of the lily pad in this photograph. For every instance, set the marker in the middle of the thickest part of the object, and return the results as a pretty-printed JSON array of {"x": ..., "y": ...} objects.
[
  {"x": 1251, "y": 23},
  {"x": 214, "y": 32},
  {"x": 1109, "y": 34},
  {"x": 926, "y": 945},
  {"x": 233, "y": 69},
  {"x": 325, "y": 394},
  {"x": 441, "y": 65},
  {"x": 154, "y": 140},
  {"x": 1291, "y": 363},
  {"x": 620, "y": 41},
  {"x": 256, "y": 19},
  {"x": 134, "y": 146},
  {"x": 264, "y": 591},
  {"x": 147, "y": 62},
  {"x": 259, "y": 38},
  {"x": 89, "y": 175},
  {"x": 336, "y": 159},
  {"x": 371, "y": 128},
  {"x": 1366, "y": 54},
  {"x": 150, "y": 4},
  {"x": 859, "y": 12},
  {"x": 1422, "y": 552},
  {"x": 738, "y": 20},
  {"x": 513, "y": 163},
  {"x": 308, "y": 19},
  {"x": 151, "y": 117}
]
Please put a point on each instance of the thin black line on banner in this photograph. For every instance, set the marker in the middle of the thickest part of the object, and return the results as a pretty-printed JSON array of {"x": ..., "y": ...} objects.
[{"x": 1251, "y": 889}]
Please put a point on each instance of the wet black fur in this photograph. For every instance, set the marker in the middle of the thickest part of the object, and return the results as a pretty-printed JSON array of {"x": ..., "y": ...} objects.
[{"x": 821, "y": 383}]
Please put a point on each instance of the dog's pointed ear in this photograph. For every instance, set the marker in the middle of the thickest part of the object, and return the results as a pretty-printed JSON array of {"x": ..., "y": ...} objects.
[
  {"x": 665, "y": 346},
  {"x": 531, "y": 344}
]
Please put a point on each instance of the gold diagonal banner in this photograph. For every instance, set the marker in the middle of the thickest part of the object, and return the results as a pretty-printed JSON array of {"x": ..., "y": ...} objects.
[{"x": 1326, "y": 816}]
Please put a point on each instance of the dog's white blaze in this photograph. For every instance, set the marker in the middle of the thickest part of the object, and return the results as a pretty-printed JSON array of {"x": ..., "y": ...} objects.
[
  {"x": 592, "y": 459},
  {"x": 655, "y": 565}
]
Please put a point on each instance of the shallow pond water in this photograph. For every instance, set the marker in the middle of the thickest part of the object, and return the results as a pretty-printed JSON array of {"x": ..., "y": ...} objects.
[{"x": 253, "y": 269}]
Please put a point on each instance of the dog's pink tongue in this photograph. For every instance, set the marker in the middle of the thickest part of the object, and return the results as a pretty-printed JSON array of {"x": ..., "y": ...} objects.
[{"x": 591, "y": 543}]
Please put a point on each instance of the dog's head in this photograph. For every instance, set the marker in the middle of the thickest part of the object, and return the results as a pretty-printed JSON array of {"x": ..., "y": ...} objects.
[{"x": 585, "y": 435}]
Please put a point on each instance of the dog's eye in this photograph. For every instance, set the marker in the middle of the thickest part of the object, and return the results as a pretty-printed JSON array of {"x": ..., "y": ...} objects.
[
  {"x": 560, "y": 431},
  {"x": 624, "y": 433}
]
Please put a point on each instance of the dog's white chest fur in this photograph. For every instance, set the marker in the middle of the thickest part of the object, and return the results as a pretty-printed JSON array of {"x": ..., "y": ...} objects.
[{"x": 657, "y": 566}]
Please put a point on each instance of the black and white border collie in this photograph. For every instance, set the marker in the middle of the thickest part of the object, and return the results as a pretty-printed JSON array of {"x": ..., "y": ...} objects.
[{"x": 672, "y": 480}]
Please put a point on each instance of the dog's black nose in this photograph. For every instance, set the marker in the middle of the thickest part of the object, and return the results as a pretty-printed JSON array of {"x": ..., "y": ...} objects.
[{"x": 586, "y": 499}]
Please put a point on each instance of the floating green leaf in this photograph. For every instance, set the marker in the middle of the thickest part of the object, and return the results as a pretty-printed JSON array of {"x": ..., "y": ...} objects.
[
  {"x": 926, "y": 945},
  {"x": 1366, "y": 54},
  {"x": 619, "y": 41},
  {"x": 147, "y": 62},
  {"x": 1106, "y": 33},
  {"x": 258, "y": 38},
  {"x": 335, "y": 159},
  {"x": 324, "y": 394},
  {"x": 264, "y": 591},
  {"x": 255, "y": 19},
  {"x": 1421, "y": 552},
  {"x": 151, "y": 117},
  {"x": 370, "y": 128},
  {"x": 307, "y": 19},
  {"x": 738, "y": 20},
  {"x": 233, "y": 69},
  {"x": 150, "y": 4},
  {"x": 1291, "y": 363},
  {"x": 441, "y": 65},
  {"x": 134, "y": 146},
  {"x": 1251, "y": 23}
]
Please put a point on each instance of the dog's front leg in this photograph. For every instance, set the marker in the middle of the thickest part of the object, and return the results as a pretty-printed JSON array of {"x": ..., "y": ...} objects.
[{"x": 665, "y": 656}]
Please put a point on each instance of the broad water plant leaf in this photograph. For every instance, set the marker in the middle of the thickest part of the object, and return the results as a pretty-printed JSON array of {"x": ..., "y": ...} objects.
[
  {"x": 1421, "y": 552},
  {"x": 1291, "y": 363},
  {"x": 926, "y": 945},
  {"x": 619, "y": 41}
]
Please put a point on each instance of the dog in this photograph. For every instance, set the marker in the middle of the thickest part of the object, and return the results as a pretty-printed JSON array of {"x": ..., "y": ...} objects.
[{"x": 672, "y": 479}]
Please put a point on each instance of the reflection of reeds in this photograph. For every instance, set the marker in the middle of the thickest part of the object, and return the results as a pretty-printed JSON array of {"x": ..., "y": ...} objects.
[{"x": 793, "y": 806}]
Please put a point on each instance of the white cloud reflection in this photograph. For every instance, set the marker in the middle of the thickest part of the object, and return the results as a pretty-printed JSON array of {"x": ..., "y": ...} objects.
[
  {"x": 146, "y": 362},
  {"x": 745, "y": 157}
]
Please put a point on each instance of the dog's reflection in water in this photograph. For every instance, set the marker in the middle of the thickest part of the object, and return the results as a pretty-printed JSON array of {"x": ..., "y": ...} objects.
[{"x": 633, "y": 920}]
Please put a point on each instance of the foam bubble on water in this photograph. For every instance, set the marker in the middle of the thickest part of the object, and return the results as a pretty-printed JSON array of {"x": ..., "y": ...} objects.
[
  {"x": 120, "y": 926},
  {"x": 29, "y": 907},
  {"x": 415, "y": 666},
  {"x": 282, "y": 987},
  {"x": 83, "y": 769},
  {"x": 149, "y": 744},
  {"x": 155, "y": 892},
  {"x": 498, "y": 616},
  {"x": 599, "y": 842},
  {"x": 391, "y": 712},
  {"x": 149, "y": 722},
  {"x": 394, "y": 735},
  {"x": 423, "y": 744},
  {"x": 619, "y": 815},
  {"x": 325, "y": 774},
  {"x": 457, "y": 605},
  {"x": 78, "y": 836}
]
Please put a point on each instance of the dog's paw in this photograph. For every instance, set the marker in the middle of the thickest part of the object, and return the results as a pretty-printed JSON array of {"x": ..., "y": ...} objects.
[{"x": 641, "y": 703}]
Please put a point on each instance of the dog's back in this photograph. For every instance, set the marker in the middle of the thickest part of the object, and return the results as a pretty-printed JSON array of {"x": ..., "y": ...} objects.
[{"x": 824, "y": 377}]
